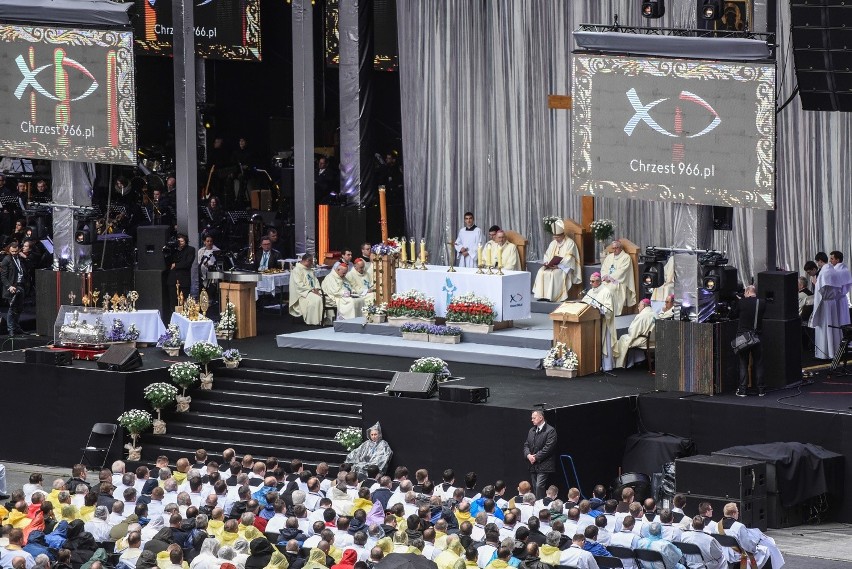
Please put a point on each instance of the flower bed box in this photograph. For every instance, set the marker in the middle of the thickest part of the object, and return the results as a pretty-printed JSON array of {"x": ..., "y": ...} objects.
[
  {"x": 400, "y": 320},
  {"x": 473, "y": 328},
  {"x": 435, "y": 339},
  {"x": 415, "y": 336},
  {"x": 558, "y": 372},
  {"x": 377, "y": 318}
]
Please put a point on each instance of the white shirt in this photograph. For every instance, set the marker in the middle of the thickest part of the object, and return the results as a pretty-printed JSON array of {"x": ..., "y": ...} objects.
[
  {"x": 276, "y": 523},
  {"x": 311, "y": 500},
  {"x": 130, "y": 557},
  {"x": 578, "y": 557}
]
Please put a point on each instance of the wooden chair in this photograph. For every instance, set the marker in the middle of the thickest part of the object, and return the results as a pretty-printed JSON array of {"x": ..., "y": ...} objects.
[
  {"x": 632, "y": 250},
  {"x": 649, "y": 556},
  {"x": 691, "y": 552},
  {"x": 521, "y": 243},
  {"x": 574, "y": 231}
]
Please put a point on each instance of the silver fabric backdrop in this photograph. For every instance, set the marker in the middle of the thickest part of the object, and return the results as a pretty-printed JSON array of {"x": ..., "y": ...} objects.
[{"x": 478, "y": 134}]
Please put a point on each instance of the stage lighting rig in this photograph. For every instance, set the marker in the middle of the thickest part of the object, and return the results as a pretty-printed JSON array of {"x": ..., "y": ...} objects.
[
  {"x": 653, "y": 270},
  {"x": 653, "y": 9},
  {"x": 712, "y": 9}
]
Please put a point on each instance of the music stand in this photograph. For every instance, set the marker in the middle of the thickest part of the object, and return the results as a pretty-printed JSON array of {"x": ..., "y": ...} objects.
[{"x": 842, "y": 352}]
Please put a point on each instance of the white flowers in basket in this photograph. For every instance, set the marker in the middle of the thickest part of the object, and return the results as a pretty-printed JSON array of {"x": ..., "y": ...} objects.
[
  {"x": 561, "y": 356},
  {"x": 349, "y": 438},
  {"x": 603, "y": 229}
]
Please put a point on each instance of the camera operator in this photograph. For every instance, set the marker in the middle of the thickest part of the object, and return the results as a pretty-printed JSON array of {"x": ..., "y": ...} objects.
[{"x": 180, "y": 267}]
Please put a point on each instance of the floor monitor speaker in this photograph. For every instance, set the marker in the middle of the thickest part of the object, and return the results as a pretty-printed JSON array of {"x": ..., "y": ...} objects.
[
  {"x": 411, "y": 384},
  {"x": 120, "y": 357}
]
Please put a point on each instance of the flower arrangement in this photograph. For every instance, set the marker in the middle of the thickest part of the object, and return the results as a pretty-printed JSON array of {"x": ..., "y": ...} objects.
[
  {"x": 170, "y": 338},
  {"x": 411, "y": 303},
  {"x": 204, "y": 353},
  {"x": 561, "y": 356},
  {"x": 228, "y": 320},
  {"x": 603, "y": 229},
  {"x": 370, "y": 307},
  {"x": 437, "y": 330},
  {"x": 135, "y": 422},
  {"x": 349, "y": 438},
  {"x": 183, "y": 374},
  {"x": 414, "y": 328},
  {"x": 471, "y": 308},
  {"x": 232, "y": 355},
  {"x": 548, "y": 222},
  {"x": 390, "y": 247},
  {"x": 435, "y": 366},
  {"x": 159, "y": 395},
  {"x": 118, "y": 334}
]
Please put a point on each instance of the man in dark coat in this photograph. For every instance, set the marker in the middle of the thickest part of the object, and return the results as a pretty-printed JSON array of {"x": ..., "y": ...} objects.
[
  {"x": 540, "y": 451},
  {"x": 179, "y": 269}
]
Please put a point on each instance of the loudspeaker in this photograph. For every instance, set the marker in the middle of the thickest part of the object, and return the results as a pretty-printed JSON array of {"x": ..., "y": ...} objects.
[
  {"x": 411, "y": 384},
  {"x": 153, "y": 292},
  {"x": 780, "y": 291},
  {"x": 752, "y": 513},
  {"x": 782, "y": 351},
  {"x": 112, "y": 253},
  {"x": 728, "y": 477},
  {"x": 48, "y": 356},
  {"x": 822, "y": 34},
  {"x": 463, "y": 393},
  {"x": 723, "y": 218},
  {"x": 120, "y": 357},
  {"x": 150, "y": 240}
]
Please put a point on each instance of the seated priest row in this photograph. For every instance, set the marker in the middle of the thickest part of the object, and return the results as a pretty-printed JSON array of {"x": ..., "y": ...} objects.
[
  {"x": 305, "y": 295},
  {"x": 552, "y": 283},
  {"x": 617, "y": 274},
  {"x": 637, "y": 334},
  {"x": 338, "y": 292},
  {"x": 504, "y": 250}
]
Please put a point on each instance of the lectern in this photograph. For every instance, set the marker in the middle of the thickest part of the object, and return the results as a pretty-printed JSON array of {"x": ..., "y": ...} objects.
[
  {"x": 238, "y": 287},
  {"x": 578, "y": 325}
]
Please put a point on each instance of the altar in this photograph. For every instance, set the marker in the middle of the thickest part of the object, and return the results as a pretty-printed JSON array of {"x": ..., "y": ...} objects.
[
  {"x": 509, "y": 292},
  {"x": 194, "y": 331},
  {"x": 149, "y": 322}
]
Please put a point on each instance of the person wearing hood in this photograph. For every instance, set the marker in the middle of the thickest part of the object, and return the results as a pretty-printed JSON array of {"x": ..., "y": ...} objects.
[
  {"x": 350, "y": 557},
  {"x": 316, "y": 559},
  {"x": 278, "y": 561},
  {"x": 99, "y": 527},
  {"x": 241, "y": 546},
  {"x": 291, "y": 531},
  {"x": 261, "y": 553},
  {"x": 80, "y": 542},
  {"x": 375, "y": 450},
  {"x": 147, "y": 560},
  {"x": 451, "y": 557},
  {"x": 655, "y": 542},
  {"x": 160, "y": 542},
  {"x": 206, "y": 558},
  {"x": 341, "y": 502}
]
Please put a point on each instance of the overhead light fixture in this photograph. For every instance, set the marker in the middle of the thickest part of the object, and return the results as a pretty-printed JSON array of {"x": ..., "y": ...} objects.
[
  {"x": 653, "y": 9},
  {"x": 712, "y": 10}
]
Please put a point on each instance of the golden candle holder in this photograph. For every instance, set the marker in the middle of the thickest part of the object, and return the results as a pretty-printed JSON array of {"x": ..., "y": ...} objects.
[
  {"x": 479, "y": 270},
  {"x": 489, "y": 270}
]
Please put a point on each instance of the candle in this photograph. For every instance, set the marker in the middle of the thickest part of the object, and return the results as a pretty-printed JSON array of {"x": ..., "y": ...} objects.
[
  {"x": 413, "y": 255},
  {"x": 488, "y": 256},
  {"x": 423, "y": 251},
  {"x": 480, "y": 260},
  {"x": 499, "y": 254},
  {"x": 383, "y": 214},
  {"x": 402, "y": 253}
]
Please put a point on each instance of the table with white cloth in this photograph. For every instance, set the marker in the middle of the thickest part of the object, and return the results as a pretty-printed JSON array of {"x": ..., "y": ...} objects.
[
  {"x": 509, "y": 292},
  {"x": 149, "y": 322},
  {"x": 194, "y": 331},
  {"x": 279, "y": 283}
]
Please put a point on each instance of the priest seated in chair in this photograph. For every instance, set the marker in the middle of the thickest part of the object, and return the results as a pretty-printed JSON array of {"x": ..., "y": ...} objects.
[
  {"x": 338, "y": 292},
  {"x": 636, "y": 336},
  {"x": 556, "y": 277}
]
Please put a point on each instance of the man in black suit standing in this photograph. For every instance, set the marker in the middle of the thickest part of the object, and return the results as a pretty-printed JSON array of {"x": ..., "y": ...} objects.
[
  {"x": 13, "y": 271},
  {"x": 539, "y": 451}
]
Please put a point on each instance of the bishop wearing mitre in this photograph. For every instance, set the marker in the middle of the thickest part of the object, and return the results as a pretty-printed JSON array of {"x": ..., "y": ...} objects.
[
  {"x": 617, "y": 275},
  {"x": 554, "y": 280},
  {"x": 600, "y": 297}
]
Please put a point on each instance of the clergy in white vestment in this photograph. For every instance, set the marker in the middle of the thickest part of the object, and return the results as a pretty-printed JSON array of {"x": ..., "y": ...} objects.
[
  {"x": 667, "y": 313},
  {"x": 553, "y": 283},
  {"x": 360, "y": 279},
  {"x": 338, "y": 290},
  {"x": 831, "y": 308},
  {"x": 469, "y": 239},
  {"x": 617, "y": 274},
  {"x": 506, "y": 252},
  {"x": 752, "y": 540},
  {"x": 637, "y": 333},
  {"x": 305, "y": 297},
  {"x": 600, "y": 297},
  {"x": 663, "y": 291}
]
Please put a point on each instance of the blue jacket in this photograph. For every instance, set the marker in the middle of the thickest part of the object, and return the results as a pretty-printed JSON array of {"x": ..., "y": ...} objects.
[{"x": 596, "y": 548}]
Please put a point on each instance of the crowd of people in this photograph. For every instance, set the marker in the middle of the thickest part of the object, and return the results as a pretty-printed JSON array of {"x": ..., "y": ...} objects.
[{"x": 243, "y": 513}]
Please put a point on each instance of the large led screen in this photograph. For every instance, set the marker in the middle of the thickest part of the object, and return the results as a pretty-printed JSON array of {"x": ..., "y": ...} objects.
[
  {"x": 224, "y": 29},
  {"x": 67, "y": 94},
  {"x": 698, "y": 132}
]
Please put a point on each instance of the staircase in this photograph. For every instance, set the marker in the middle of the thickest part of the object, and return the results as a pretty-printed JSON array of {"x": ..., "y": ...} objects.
[{"x": 267, "y": 408}]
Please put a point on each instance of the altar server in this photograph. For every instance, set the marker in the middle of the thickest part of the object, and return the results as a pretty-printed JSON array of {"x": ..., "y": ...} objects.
[
  {"x": 338, "y": 290},
  {"x": 617, "y": 273},
  {"x": 756, "y": 544},
  {"x": 601, "y": 298},
  {"x": 305, "y": 297},
  {"x": 469, "y": 239},
  {"x": 831, "y": 308},
  {"x": 637, "y": 333},
  {"x": 553, "y": 283}
]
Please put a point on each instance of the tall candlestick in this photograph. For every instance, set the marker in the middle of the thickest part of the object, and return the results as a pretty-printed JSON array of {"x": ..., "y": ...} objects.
[
  {"x": 413, "y": 255},
  {"x": 488, "y": 256},
  {"x": 402, "y": 252},
  {"x": 480, "y": 260},
  {"x": 423, "y": 251},
  {"x": 383, "y": 214}
]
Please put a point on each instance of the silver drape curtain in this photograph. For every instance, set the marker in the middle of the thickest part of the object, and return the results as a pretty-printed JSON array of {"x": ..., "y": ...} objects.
[{"x": 478, "y": 135}]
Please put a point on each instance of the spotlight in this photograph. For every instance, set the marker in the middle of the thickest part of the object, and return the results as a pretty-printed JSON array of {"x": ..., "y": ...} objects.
[
  {"x": 686, "y": 311},
  {"x": 85, "y": 233},
  {"x": 720, "y": 280},
  {"x": 712, "y": 10},
  {"x": 652, "y": 277},
  {"x": 653, "y": 9}
]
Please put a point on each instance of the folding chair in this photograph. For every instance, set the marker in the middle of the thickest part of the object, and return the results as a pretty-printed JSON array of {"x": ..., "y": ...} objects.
[
  {"x": 691, "y": 552},
  {"x": 608, "y": 562},
  {"x": 649, "y": 558},
  {"x": 101, "y": 433},
  {"x": 622, "y": 553},
  {"x": 731, "y": 542}
]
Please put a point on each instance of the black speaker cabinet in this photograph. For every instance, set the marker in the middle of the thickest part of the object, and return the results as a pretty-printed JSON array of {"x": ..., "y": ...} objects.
[
  {"x": 120, "y": 357},
  {"x": 723, "y": 218},
  {"x": 410, "y": 384},
  {"x": 752, "y": 513},
  {"x": 782, "y": 352},
  {"x": 463, "y": 393},
  {"x": 780, "y": 291},
  {"x": 150, "y": 241},
  {"x": 153, "y": 294},
  {"x": 52, "y": 288},
  {"x": 48, "y": 356},
  {"x": 728, "y": 477},
  {"x": 112, "y": 253}
]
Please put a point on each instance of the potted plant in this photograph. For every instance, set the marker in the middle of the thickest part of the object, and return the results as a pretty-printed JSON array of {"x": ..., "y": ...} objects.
[
  {"x": 561, "y": 361},
  {"x": 411, "y": 305},
  {"x": 227, "y": 326},
  {"x": 415, "y": 331},
  {"x": 375, "y": 313},
  {"x": 548, "y": 222},
  {"x": 350, "y": 438},
  {"x": 170, "y": 340},
  {"x": 159, "y": 395},
  {"x": 183, "y": 374},
  {"x": 135, "y": 422},
  {"x": 471, "y": 313},
  {"x": 232, "y": 358},
  {"x": 204, "y": 353},
  {"x": 435, "y": 366},
  {"x": 602, "y": 231},
  {"x": 118, "y": 334},
  {"x": 444, "y": 334}
]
